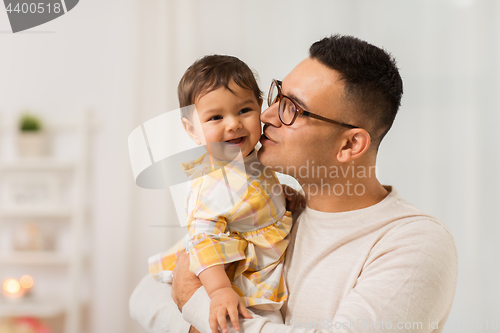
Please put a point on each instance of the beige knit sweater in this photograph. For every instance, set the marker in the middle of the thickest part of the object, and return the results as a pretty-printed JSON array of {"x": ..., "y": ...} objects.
[{"x": 386, "y": 268}]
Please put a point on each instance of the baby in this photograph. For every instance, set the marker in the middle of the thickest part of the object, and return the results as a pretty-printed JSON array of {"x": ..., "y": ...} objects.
[{"x": 237, "y": 221}]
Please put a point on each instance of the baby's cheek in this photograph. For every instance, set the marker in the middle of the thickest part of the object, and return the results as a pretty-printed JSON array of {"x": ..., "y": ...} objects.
[
  {"x": 211, "y": 135},
  {"x": 257, "y": 128}
]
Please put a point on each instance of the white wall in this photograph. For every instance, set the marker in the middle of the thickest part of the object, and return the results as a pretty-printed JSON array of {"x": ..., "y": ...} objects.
[{"x": 86, "y": 60}]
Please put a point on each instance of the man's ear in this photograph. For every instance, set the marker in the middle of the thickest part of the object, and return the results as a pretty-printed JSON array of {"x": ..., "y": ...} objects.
[
  {"x": 188, "y": 126},
  {"x": 354, "y": 144}
]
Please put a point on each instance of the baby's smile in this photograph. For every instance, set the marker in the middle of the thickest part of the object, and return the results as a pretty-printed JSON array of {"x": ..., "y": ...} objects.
[{"x": 237, "y": 141}]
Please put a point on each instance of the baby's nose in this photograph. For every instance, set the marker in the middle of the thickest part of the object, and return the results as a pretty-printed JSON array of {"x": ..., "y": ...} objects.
[{"x": 233, "y": 124}]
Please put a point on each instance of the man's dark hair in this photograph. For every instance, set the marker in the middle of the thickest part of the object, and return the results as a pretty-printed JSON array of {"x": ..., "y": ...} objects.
[
  {"x": 371, "y": 78},
  {"x": 210, "y": 73}
]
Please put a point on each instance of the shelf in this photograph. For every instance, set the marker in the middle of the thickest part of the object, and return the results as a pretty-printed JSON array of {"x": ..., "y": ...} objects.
[
  {"x": 31, "y": 308},
  {"x": 34, "y": 258},
  {"x": 37, "y": 164},
  {"x": 57, "y": 188},
  {"x": 62, "y": 125},
  {"x": 41, "y": 212}
]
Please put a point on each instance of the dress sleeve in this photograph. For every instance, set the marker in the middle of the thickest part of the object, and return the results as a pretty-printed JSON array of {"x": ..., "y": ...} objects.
[{"x": 210, "y": 206}]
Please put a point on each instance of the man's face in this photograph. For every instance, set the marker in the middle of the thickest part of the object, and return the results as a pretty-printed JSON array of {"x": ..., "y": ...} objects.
[{"x": 316, "y": 88}]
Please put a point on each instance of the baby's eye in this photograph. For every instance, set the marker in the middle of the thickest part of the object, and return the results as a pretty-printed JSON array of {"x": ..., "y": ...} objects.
[
  {"x": 215, "y": 118},
  {"x": 245, "y": 110}
]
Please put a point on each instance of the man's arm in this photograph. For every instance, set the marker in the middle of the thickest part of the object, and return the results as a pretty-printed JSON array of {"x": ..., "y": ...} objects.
[
  {"x": 193, "y": 300},
  {"x": 409, "y": 280},
  {"x": 151, "y": 306}
]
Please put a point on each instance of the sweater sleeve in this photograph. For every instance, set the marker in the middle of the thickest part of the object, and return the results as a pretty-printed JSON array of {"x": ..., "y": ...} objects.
[
  {"x": 152, "y": 307},
  {"x": 407, "y": 285},
  {"x": 408, "y": 282}
]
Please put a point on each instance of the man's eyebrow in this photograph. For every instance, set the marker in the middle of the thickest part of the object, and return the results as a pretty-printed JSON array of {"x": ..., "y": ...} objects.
[{"x": 298, "y": 101}]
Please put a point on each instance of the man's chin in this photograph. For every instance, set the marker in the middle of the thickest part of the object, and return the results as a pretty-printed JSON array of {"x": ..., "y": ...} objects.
[
  {"x": 262, "y": 154},
  {"x": 266, "y": 157},
  {"x": 263, "y": 151}
]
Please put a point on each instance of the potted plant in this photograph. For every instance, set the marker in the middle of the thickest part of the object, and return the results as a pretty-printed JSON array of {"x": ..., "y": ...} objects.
[{"x": 31, "y": 139}]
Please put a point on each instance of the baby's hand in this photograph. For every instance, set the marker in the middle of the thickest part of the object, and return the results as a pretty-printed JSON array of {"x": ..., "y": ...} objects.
[
  {"x": 294, "y": 199},
  {"x": 226, "y": 301}
]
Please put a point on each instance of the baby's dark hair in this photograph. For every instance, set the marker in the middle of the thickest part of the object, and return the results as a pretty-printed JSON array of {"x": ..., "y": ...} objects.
[{"x": 210, "y": 73}]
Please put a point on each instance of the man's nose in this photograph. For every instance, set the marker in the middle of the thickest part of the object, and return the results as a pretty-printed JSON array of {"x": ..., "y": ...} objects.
[{"x": 271, "y": 116}]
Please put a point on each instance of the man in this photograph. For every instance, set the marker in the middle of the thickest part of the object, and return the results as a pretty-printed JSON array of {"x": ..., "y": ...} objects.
[{"x": 360, "y": 258}]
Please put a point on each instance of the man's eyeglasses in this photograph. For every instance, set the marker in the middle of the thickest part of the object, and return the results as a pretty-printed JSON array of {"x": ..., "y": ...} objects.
[{"x": 289, "y": 110}]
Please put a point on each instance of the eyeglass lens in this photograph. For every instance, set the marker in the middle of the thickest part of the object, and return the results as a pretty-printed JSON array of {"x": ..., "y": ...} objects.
[
  {"x": 273, "y": 94},
  {"x": 287, "y": 111}
]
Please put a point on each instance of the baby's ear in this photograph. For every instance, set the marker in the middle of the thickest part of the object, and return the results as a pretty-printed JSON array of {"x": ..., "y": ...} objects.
[
  {"x": 188, "y": 126},
  {"x": 260, "y": 102}
]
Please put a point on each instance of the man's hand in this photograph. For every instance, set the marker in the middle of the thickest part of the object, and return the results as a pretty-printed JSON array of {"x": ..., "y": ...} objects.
[
  {"x": 294, "y": 199},
  {"x": 193, "y": 330},
  {"x": 184, "y": 282}
]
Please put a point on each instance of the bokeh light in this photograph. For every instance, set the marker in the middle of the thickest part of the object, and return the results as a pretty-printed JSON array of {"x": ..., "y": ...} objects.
[
  {"x": 26, "y": 281},
  {"x": 11, "y": 286}
]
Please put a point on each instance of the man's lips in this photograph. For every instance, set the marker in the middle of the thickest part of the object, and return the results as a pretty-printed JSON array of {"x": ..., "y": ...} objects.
[{"x": 265, "y": 139}]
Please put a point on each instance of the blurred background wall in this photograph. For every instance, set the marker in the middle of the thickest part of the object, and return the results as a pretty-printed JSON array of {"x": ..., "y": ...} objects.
[{"x": 123, "y": 60}]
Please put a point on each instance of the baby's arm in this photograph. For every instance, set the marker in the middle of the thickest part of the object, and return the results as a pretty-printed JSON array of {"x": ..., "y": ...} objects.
[{"x": 223, "y": 299}]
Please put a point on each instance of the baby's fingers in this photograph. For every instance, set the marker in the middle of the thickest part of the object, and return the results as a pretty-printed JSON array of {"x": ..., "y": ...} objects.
[
  {"x": 221, "y": 317},
  {"x": 244, "y": 311},
  {"x": 214, "y": 325},
  {"x": 233, "y": 316}
]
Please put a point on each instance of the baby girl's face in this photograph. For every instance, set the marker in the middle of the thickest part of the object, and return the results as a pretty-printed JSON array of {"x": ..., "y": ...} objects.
[{"x": 231, "y": 117}]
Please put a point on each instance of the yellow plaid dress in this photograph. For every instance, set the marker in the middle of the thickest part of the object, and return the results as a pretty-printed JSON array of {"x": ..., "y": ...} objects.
[{"x": 237, "y": 216}]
